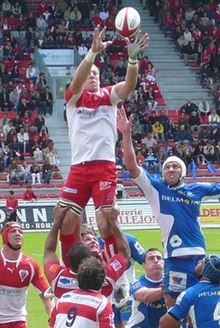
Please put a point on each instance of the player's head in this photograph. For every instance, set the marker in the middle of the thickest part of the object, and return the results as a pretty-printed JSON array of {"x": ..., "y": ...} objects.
[
  {"x": 91, "y": 274},
  {"x": 92, "y": 242},
  {"x": 153, "y": 263},
  {"x": 92, "y": 83},
  {"x": 173, "y": 171},
  {"x": 86, "y": 229},
  {"x": 211, "y": 268},
  {"x": 12, "y": 235},
  {"x": 77, "y": 252}
]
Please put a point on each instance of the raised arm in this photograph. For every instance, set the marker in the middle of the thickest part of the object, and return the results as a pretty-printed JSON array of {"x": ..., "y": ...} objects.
[
  {"x": 51, "y": 241},
  {"x": 123, "y": 89},
  {"x": 120, "y": 239},
  {"x": 124, "y": 126},
  {"x": 85, "y": 66}
]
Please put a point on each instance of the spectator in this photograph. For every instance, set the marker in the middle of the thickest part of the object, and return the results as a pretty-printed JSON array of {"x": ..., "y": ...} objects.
[
  {"x": 38, "y": 154},
  {"x": 189, "y": 107},
  {"x": 183, "y": 120},
  {"x": 35, "y": 173},
  {"x": 11, "y": 207},
  {"x": 82, "y": 50},
  {"x": 150, "y": 141},
  {"x": 214, "y": 118},
  {"x": 7, "y": 156},
  {"x": 209, "y": 151},
  {"x": 47, "y": 99},
  {"x": 182, "y": 134},
  {"x": 25, "y": 172},
  {"x": 15, "y": 263},
  {"x": 23, "y": 140},
  {"x": 194, "y": 122},
  {"x": 14, "y": 172},
  {"x": 47, "y": 172},
  {"x": 151, "y": 161},
  {"x": 140, "y": 158},
  {"x": 158, "y": 131},
  {"x": 50, "y": 153},
  {"x": 29, "y": 194},
  {"x": 161, "y": 157},
  {"x": 204, "y": 108},
  {"x": 6, "y": 8},
  {"x": 148, "y": 304},
  {"x": 31, "y": 73}
]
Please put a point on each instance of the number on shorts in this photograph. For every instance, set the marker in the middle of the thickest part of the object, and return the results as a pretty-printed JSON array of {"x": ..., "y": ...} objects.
[
  {"x": 71, "y": 316},
  {"x": 216, "y": 315}
]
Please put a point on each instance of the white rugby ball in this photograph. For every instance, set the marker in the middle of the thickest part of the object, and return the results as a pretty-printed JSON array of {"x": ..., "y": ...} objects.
[{"x": 127, "y": 22}]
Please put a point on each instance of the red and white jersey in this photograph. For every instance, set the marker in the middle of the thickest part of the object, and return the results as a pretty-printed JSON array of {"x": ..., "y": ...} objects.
[
  {"x": 82, "y": 309},
  {"x": 92, "y": 124},
  {"x": 63, "y": 280},
  {"x": 15, "y": 277}
]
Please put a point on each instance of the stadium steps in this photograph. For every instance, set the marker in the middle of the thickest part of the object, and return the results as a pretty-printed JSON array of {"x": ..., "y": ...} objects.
[{"x": 172, "y": 69}]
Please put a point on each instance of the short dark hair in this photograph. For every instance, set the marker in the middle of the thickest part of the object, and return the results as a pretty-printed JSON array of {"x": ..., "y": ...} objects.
[
  {"x": 87, "y": 230},
  {"x": 76, "y": 254},
  {"x": 151, "y": 250},
  {"x": 91, "y": 274}
]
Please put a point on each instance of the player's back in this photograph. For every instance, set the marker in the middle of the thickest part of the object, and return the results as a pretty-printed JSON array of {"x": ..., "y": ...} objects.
[{"x": 83, "y": 309}]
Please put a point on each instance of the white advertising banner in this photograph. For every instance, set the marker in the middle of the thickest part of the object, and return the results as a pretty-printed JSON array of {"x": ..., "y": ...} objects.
[
  {"x": 134, "y": 215},
  {"x": 57, "y": 57}
]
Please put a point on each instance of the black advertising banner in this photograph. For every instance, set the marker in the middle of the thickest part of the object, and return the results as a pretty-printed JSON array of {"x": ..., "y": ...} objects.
[{"x": 32, "y": 216}]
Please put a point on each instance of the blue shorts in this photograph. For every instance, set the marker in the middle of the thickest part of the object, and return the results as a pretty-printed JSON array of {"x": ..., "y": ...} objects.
[
  {"x": 123, "y": 313},
  {"x": 179, "y": 274}
]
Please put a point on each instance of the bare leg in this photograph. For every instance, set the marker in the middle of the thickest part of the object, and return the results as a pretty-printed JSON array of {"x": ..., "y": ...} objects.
[{"x": 103, "y": 225}]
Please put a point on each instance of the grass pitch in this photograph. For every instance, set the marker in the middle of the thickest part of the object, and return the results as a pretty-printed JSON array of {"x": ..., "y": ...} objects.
[{"x": 34, "y": 245}]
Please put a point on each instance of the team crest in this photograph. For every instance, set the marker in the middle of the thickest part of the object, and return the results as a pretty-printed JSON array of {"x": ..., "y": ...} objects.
[{"x": 23, "y": 274}]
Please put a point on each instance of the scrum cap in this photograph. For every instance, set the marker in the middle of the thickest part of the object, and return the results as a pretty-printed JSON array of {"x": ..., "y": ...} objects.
[
  {"x": 5, "y": 231},
  {"x": 211, "y": 269},
  {"x": 178, "y": 161}
]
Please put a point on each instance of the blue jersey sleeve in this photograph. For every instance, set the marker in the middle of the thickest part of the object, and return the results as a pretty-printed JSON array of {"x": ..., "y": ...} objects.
[{"x": 137, "y": 251}]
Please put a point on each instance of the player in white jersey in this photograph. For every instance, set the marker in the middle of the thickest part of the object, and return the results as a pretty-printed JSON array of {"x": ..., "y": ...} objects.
[
  {"x": 200, "y": 302},
  {"x": 18, "y": 271},
  {"x": 85, "y": 307},
  {"x": 91, "y": 116},
  {"x": 176, "y": 207}
]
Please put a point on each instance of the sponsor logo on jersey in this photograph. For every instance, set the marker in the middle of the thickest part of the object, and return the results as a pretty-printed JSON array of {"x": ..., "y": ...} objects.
[
  {"x": 104, "y": 185},
  {"x": 177, "y": 281},
  {"x": 116, "y": 265},
  {"x": 67, "y": 282},
  {"x": 137, "y": 285},
  {"x": 175, "y": 241},
  {"x": 179, "y": 200},
  {"x": 23, "y": 274},
  {"x": 70, "y": 190}
]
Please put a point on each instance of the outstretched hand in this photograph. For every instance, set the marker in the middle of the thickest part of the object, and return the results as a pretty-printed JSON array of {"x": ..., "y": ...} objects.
[
  {"x": 123, "y": 124},
  {"x": 98, "y": 44},
  {"x": 139, "y": 44}
]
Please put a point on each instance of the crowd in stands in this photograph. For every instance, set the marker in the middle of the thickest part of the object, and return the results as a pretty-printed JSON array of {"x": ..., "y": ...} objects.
[
  {"x": 65, "y": 24},
  {"x": 191, "y": 132}
]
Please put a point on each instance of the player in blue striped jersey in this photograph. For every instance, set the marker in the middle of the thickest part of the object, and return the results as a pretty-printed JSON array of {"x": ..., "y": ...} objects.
[
  {"x": 148, "y": 304},
  {"x": 200, "y": 302},
  {"x": 176, "y": 207}
]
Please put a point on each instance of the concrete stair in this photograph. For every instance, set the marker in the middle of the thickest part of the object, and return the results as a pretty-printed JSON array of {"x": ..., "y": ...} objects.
[{"x": 176, "y": 80}]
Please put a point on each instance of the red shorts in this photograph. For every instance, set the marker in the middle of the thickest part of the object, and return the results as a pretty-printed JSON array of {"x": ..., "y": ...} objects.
[
  {"x": 96, "y": 179},
  {"x": 17, "y": 324}
]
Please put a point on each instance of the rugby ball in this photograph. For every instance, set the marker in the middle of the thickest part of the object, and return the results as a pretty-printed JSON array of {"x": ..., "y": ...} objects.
[{"x": 127, "y": 22}]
